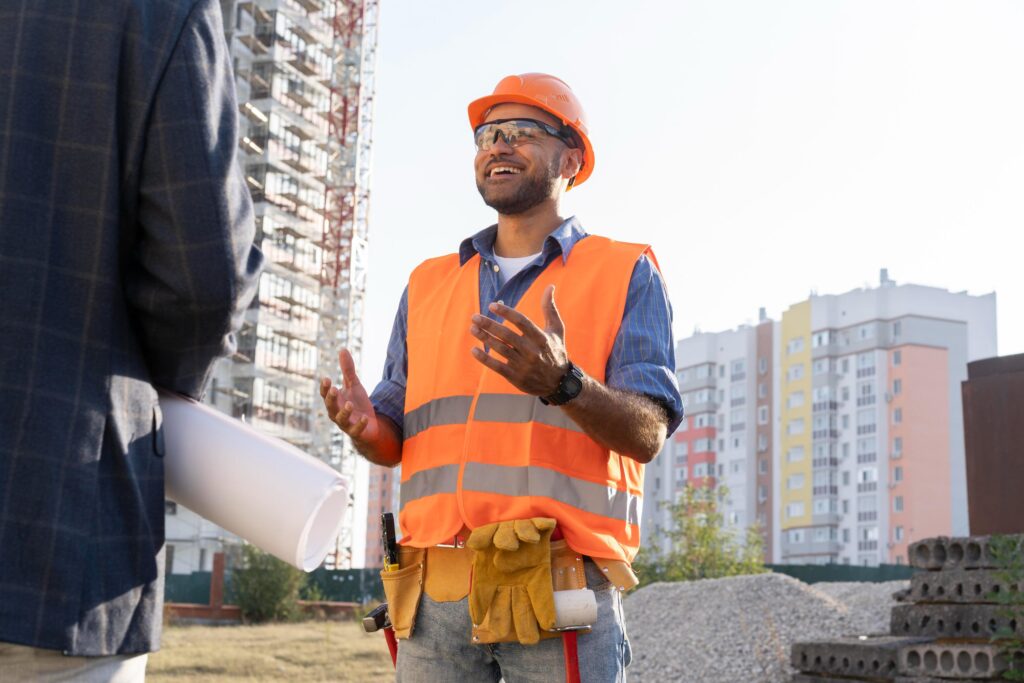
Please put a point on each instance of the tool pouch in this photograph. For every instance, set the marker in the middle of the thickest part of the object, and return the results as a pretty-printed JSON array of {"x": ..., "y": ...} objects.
[{"x": 403, "y": 589}]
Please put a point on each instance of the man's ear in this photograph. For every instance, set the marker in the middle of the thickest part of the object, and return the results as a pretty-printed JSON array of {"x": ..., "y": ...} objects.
[{"x": 572, "y": 162}]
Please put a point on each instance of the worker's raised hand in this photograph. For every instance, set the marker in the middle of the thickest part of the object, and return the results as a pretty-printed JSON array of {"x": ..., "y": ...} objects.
[
  {"x": 536, "y": 359},
  {"x": 349, "y": 407}
]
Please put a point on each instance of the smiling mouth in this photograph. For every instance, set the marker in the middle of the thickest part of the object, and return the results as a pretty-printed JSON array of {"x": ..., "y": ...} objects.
[{"x": 500, "y": 171}]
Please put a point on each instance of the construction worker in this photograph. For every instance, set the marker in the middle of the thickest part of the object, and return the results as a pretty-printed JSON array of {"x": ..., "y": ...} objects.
[{"x": 530, "y": 376}]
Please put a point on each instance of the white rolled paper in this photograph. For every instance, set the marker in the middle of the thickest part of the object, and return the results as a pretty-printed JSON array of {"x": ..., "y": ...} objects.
[
  {"x": 265, "y": 490},
  {"x": 575, "y": 608}
]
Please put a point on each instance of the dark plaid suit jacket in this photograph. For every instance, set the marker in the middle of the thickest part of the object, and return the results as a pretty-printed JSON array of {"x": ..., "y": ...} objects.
[{"x": 126, "y": 262}]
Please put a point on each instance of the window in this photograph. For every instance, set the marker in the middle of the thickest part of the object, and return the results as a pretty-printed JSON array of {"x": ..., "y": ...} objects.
[
  {"x": 821, "y": 506},
  {"x": 736, "y": 419},
  {"x": 762, "y": 415},
  {"x": 681, "y": 476},
  {"x": 865, "y": 446},
  {"x": 700, "y": 470},
  {"x": 897, "y": 357},
  {"x": 795, "y": 454},
  {"x": 762, "y": 493},
  {"x": 734, "y": 518},
  {"x": 721, "y": 395},
  {"x": 867, "y": 504},
  {"x": 703, "y": 371},
  {"x": 865, "y": 360},
  {"x": 820, "y": 366},
  {"x": 795, "y": 510},
  {"x": 846, "y": 539},
  {"x": 846, "y": 450},
  {"x": 846, "y": 393},
  {"x": 721, "y": 470},
  {"x": 846, "y": 365},
  {"x": 762, "y": 466},
  {"x": 897, "y": 387},
  {"x": 898, "y": 534},
  {"x": 796, "y": 535},
  {"x": 846, "y": 478},
  {"x": 702, "y": 420},
  {"x": 720, "y": 420},
  {"x": 682, "y": 376},
  {"x": 735, "y": 466},
  {"x": 795, "y": 400},
  {"x": 846, "y": 421},
  {"x": 820, "y": 535},
  {"x": 762, "y": 390},
  {"x": 865, "y": 332},
  {"x": 868, "y": 533},
  {"x": 762, "y": 443},
  {"x": 739, "y": 366},
  {"x": 897, "y": 327},
  {"x": 762, "y": 365},
  {"x": 795, "y": 427},
  {"x": 795, "y": 481},
  {"x": 703, "y": 446},
  {"x": 897, "y": 473},
  {"x": 738, "y": 391},
  {"x": 897, "y": 504},
  {"x": 865, "y": 417},
  {"x": 795, "y": 345},
  {"x": 897, "y": 416},
  {"x": 795, "y": 372},
  {"x": 897, "y": 445},
  {"x": 737, "y": 442},
  {"x": 822, "y": 338},
  {"x": 721, "y": 371},
  {"x": 867, "y": 474},
  {"x": 846, "y": 507}
]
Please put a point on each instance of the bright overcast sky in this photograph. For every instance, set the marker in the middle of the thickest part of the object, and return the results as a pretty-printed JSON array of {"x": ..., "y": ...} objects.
[{"x": 764, "y": 149}]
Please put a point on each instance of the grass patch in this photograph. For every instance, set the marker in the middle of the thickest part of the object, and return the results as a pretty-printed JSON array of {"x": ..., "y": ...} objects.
[{"x": 305, "y": 651}]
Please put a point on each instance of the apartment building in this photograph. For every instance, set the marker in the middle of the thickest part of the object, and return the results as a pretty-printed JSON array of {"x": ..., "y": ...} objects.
[{"x": 857, "y": 441}]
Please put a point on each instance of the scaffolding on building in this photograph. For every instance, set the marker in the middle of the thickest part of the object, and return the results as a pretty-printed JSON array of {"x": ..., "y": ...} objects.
[{"x": 304, "y": 73}]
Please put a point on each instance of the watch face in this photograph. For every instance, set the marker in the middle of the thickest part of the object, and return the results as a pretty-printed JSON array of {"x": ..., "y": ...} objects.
[{"x": 572, "y": 385}]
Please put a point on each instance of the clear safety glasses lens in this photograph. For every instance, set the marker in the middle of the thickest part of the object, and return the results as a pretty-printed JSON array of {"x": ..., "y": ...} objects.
[{"x": 514, "y": 132}]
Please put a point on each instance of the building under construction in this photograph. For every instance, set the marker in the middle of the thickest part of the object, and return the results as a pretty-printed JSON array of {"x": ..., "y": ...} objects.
[{"x": 304, "y": 71}]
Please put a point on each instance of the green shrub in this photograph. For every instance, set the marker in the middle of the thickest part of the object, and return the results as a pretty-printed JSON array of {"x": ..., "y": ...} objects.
[
  {"x": 700, "y": 545},
  {"x": 266, "y": 588}
]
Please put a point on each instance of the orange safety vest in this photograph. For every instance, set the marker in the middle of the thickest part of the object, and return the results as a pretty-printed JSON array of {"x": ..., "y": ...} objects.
[{"x": 477, "y": 450}]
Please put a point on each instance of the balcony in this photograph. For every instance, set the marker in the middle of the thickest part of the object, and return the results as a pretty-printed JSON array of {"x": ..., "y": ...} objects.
[
  {"x": 866, "y": 429},
  {"x": 825, "y": 491},
  {"x": 864, "y": 546},
  {"x": 865, "y": 401},
  {"x": 867, "y": 486},
  {"x": 822, "y": 406},
  {"x": 825, "y": 462},
  {"x": 866, "y": 458},
  {"x": 866, "y": 372},
  {"x": 825, "y": 434},
  {"x": 867, "y": 516}
]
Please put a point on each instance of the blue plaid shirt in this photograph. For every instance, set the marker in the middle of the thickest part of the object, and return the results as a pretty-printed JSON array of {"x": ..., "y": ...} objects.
[{"x": 643, "y": 356}]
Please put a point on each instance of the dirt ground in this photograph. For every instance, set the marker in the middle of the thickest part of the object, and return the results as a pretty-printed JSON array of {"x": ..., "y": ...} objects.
[{"x": 306, "y": 651}]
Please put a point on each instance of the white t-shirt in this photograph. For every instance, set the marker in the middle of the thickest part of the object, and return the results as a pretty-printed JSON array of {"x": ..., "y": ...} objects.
[{"x": 510, "y": 265}]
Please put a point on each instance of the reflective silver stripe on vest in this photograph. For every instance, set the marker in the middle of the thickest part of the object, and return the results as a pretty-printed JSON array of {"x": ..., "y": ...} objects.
[
  {"x": 449, "y": 410},
  {"x": 443, "y": 479},
  {"x": 509, "y": 408},
  {"x": 519, "y": 408}
]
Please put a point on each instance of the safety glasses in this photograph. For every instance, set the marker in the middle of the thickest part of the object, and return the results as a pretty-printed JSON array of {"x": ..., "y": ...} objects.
[{"x": 516, "y": 132}]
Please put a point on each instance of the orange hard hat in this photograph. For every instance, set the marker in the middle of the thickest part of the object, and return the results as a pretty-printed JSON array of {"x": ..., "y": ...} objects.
[{"x": 545, "y": 92}]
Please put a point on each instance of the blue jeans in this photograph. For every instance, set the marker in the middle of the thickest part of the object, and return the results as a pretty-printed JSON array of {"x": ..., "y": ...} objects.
[{"x": 440, "y": 648}]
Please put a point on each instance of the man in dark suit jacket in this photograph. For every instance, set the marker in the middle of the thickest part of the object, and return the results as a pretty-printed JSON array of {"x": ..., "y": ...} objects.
[{"x": 126, "y": 263}]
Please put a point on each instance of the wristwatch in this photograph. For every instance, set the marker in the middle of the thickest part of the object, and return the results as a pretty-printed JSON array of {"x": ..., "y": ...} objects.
[{"x": 569, "y": 387}]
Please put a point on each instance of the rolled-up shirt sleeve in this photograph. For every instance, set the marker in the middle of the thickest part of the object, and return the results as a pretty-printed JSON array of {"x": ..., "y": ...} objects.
[
  {"x": 643, "y": 358},
  {"x": 388, "y": 397}
]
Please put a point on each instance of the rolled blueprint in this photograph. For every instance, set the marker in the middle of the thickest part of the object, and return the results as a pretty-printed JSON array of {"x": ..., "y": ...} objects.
[
  {"x": 263, "y": 489},
  {"x": 575, "y": 609}
]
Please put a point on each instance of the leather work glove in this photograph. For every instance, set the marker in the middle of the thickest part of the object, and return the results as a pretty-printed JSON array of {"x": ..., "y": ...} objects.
[{"x": 512, "y": 598}]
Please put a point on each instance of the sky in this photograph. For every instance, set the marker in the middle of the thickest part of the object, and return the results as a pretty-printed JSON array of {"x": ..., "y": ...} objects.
[{"x": 764, "y": 149}]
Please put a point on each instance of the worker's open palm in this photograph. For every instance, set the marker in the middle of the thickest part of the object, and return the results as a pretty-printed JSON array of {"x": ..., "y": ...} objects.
[
  {"x": 534, "y": 360},
  {"x": 349, "y": 406}
]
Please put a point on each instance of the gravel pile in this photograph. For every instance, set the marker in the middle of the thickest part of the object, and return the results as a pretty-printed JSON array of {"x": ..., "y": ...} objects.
[{"x": 740, "y": 629}]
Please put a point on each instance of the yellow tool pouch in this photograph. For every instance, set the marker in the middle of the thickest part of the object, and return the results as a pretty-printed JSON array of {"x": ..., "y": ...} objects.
[{"x": 403, "y": 588}]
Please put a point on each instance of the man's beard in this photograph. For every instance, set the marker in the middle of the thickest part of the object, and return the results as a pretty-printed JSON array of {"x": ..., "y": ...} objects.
[{"x": 533, "y": 189}]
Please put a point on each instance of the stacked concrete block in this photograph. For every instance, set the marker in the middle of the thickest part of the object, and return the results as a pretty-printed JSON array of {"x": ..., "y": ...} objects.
[{"x": 943, "y": 632}]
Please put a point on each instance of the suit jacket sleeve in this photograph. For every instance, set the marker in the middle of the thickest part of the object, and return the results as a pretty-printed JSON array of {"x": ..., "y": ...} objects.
[{"x": 194, "y": 268}]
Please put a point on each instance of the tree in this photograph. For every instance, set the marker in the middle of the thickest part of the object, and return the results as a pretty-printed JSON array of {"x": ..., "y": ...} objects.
[
  {"x": 700, "y": 545},
  {"x": 266, "y": 588}
]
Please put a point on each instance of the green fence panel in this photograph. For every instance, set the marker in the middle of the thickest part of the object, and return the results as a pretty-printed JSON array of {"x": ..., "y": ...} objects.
[
  {"x": 189, "y": 588},
  {"x": 348, "y": 585},
  {"x": 820, "y": 573}
]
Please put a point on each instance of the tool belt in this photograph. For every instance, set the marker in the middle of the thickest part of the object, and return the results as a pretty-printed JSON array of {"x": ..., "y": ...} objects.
[{"x": 444, "y": 573}]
